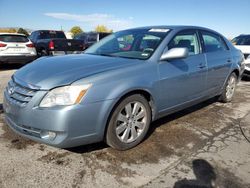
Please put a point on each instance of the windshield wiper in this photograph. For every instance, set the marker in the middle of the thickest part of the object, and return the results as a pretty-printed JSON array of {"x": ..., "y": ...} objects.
[{"x": 109, "y": 55}]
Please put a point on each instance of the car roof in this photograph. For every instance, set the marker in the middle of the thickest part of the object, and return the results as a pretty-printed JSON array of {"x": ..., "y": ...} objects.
[
  {"x": 175, "y": 27},
  {"x": 20, "y": 34},
  {"x": 48, "y": 30},
  {"x": 93, "y": 32},
  {"x": 244, "y": 35}
]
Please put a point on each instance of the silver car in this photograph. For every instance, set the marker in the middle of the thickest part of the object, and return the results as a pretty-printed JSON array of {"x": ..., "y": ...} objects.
[{"x": 120, "y": 85}]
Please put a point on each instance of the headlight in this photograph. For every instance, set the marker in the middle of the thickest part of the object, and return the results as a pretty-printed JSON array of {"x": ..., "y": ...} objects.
[{"x": 63, "y": 96}]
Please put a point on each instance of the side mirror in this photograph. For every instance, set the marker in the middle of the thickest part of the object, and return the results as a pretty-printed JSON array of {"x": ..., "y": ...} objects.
[{"x": 174, "y": 53}]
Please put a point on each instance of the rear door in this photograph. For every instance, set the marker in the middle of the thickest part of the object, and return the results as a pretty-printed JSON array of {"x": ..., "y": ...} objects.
[
  {"x": 218, "y": 60},
  {"x": 183, "y": 80}
]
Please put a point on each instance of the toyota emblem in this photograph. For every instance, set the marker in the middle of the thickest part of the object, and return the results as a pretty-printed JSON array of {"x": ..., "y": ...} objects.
[{"x": 11, "y": 90}]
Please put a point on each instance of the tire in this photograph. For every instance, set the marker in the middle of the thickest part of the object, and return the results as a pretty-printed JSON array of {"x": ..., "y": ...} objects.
[
  {"x": 129, "y": 123},
  {"x": 43, "y": 52},
  {"x": 229, "y": 89}
]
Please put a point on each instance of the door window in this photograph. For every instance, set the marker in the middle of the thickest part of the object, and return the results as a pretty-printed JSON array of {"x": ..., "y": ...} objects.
[
  {"x": 185, "y": 39},
  {"x": 213, "y": 42}
]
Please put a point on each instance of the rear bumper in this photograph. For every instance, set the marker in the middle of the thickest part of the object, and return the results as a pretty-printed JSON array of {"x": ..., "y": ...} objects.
[
  {"x": 55, "y": 53},
  {"x": 17, "y": 59}
]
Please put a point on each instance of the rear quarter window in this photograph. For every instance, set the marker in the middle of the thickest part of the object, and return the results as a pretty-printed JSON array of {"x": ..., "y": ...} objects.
[{"x": 13, "y": 38}]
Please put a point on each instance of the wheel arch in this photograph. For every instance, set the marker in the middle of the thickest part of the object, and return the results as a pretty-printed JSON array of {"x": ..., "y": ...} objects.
[
  {"x": 145, "y": 93},
  {"x": 237, "y": 72}
]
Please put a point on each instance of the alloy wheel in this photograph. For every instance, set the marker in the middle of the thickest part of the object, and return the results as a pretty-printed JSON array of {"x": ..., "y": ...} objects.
[
  {"x": 131, "y": 122},
  {"x": 230, "y": 89}
]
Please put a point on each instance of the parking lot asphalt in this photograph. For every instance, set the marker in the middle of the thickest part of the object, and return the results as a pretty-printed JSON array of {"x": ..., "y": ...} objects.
[{"x": 202, "y": 146}]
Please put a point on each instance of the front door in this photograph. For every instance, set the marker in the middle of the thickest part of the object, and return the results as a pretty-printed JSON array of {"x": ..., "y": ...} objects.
[{"x": 183, "y": 80}]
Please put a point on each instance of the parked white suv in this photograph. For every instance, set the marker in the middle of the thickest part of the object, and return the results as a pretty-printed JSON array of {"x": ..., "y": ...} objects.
[
  {"x": 16, "y": 48},
  {"x": 242, "y": 42}
]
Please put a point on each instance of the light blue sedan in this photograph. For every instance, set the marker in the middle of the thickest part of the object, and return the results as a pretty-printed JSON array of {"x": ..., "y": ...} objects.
[{"x": 116, "y": 88}]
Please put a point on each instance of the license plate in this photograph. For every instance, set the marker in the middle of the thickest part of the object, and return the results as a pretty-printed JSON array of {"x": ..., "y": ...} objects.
[
  {"x": 15, "y": 50},
  {"x": 58, "y": 53}
]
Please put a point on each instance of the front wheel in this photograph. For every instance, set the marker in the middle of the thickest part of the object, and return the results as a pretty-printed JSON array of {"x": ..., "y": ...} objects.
[
  {"x": 229, "y": 89},
  {"x": 129, "y": 123}
]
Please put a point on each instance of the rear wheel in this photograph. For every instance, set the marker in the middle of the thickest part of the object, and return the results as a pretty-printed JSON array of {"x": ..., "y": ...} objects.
[
  {"x": 43, "y": 52},
  {"x": 129, "y": 123},
  {"x": 229, "y": 89}
]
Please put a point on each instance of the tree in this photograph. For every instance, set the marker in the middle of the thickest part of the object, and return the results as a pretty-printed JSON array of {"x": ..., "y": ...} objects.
[
  {"x": 12, "y": 30},
  {"x": 23, "y": 31},
  {"x": 76, "y": 30},
  {"x": 7, "y": 30},
  {"x": 103, "y": 29}
]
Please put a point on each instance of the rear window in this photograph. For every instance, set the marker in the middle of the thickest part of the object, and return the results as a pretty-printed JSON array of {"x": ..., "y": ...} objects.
[
  {"x": 13, "y": 38},
  {"x": 92, "y": 38},
  {"x": 52, "y": 35},
  {"x": 81, "y": 37}
]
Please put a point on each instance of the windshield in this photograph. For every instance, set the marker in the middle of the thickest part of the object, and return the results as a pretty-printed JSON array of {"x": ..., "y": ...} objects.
[
  {"x": 242, "y": 40},
  {"x": 135, "y": 43}
]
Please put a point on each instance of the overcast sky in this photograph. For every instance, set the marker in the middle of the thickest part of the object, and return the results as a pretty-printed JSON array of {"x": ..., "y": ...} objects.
[{"x": 230, "y": 17}]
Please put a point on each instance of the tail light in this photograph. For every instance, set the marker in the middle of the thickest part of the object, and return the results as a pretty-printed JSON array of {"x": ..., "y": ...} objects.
[
  {"x": 31, "y": 45},
  {"x": 2, "y": 45},
  {"x": 51, "y": 45}
]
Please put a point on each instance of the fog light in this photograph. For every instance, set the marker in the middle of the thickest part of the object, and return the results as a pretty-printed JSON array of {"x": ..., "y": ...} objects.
[{"x": 48, "y": 135}]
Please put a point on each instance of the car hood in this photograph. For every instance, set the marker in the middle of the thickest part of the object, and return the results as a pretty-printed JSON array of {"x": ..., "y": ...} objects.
[{"x": 49, "y": 72}]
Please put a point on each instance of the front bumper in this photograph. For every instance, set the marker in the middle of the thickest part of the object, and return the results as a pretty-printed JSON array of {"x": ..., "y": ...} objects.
[
  {"x": 74, "y": 125},
  {"x": 18, "y": 59}
]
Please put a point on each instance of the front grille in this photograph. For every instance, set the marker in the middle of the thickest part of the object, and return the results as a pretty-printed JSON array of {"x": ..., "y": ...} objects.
[
  {"x": 19, "y": 94},
  {"x": 246, "y": 55}
]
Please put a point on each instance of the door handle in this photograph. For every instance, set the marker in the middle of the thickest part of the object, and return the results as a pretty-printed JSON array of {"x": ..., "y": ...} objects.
[
  {"x": 229, "y": 61},
  {"x": 202, "y": 66}
]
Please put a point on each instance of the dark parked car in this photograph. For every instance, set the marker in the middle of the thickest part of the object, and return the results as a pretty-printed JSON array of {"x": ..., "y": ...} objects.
[
  {"x": 112, "y": 94},
  {"x": 89, "y": 39},
  {"x": 49, "y": 42}
]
